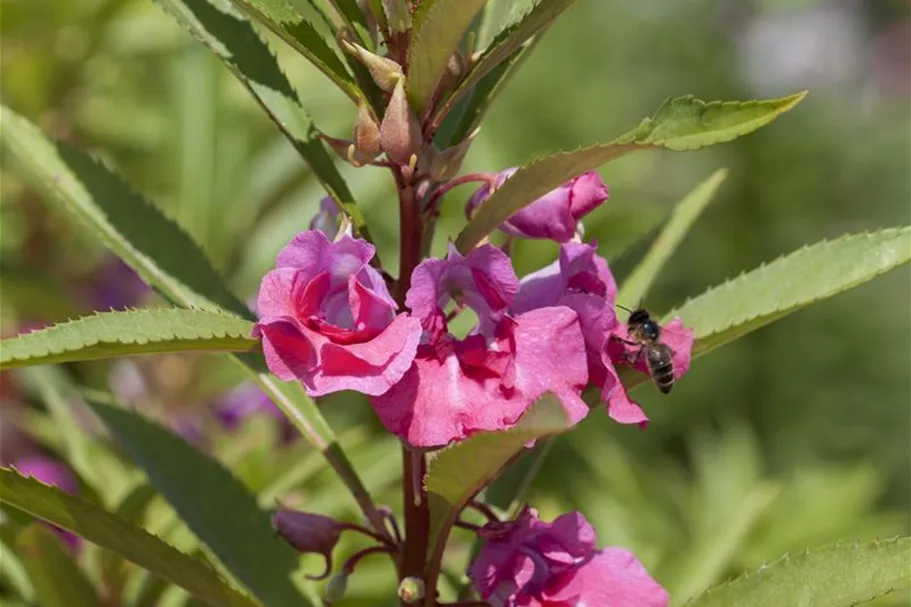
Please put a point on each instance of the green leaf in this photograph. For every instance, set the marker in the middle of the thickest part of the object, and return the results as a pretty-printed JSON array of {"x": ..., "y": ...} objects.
[
  {"x": 789, "y": 283},
  {"x": 236, "y": 43},
  {"x": 108, "y": 531},
  {"x": 57, "y": 579},
  {"x": 215, "y": 506},
  {"x": 280, "y": 17},
  {"x": 131, "y": 509},
  {"x": 353, "y": 15},
  {"x": 456, "y": 474},
  {"x": 518, "y": 31},
  {"x": 113, "y": 334},
  {"x": 637, "y": 284},
  {"x": 683, "y": 123},
  {"x": 135, "y": 230},
  {"x": 835, "y": 576},
  {"x": 438, "y": 28}
]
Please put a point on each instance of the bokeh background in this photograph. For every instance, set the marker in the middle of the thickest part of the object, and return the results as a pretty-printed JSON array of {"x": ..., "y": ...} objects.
[{"x": 794, "y": 436}]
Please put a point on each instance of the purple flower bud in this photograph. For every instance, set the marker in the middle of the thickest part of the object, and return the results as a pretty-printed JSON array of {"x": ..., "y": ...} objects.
[
  {"x": 400, "y": 132},
  {"x": 307, "y": 532},
  {"x": 556, "y": 215},
  {"x": 384, "y": 71},
  {"x": 366, "y": 136},
  {"x": 326, "y": 219}
]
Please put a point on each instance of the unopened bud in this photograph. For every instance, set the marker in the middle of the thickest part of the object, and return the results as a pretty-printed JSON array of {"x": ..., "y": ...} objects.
[
  {"x": 400, "y": 131},
  {"x": 366, "y": 136},
  {"x": 308, "y": 532},
  {"x": 447, "y": 163},
  {"x": 398, "y": 15},
  {"x": 455, "y": 67},
  {"x": 384, "y": 71},
  {"x": 411, "y": 590},
  {"x": 335, "y": 589}
]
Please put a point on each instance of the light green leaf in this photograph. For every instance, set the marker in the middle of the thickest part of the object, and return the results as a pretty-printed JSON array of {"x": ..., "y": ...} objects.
[
  {"x": 492, "y": 19},
  {"x": 456, "y": 474},
  {"x": 57, "y": 579},
  {"x": 214, "y": 505},
  {"x": 108, "y": 531},
  {"x": 126, "y": 333},
  {"x": 134, "y": 229},
  {"x": 353, "y": 15},
  {"x": 519, "y": 30},
  {"x": 438, "y": 28},
  {"x": 252, "y": 63},
  {"x": 683, "y": 123},
  {"x": 789, "y": 283},
  {"x": 637, "y": 284},
  {"x": 839, "y": 575}
]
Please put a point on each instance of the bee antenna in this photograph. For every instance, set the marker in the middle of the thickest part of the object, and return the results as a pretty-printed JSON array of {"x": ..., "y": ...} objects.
[{"x": 622, "y": 307}]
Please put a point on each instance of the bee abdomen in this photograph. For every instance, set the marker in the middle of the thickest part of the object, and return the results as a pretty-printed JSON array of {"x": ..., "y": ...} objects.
[{"x": 661, "y": 368}]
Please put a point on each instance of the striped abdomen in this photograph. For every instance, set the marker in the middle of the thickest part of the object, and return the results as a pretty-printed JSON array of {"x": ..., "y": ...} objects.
[{"x": 660, "y": 366}]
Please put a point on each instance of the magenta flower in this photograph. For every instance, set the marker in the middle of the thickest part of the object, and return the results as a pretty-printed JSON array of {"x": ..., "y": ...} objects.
[
  {"x": 486, "y": 381},
  {"x": 327, "y": 319},
  {"x": 51, "y": 472},
  {"x": 530, "y": 563},
  {"x": 555, "y": 215}
]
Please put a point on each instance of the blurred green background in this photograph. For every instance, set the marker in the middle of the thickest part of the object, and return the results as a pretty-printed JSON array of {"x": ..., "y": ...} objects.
[{"x": 795, "y": 436}]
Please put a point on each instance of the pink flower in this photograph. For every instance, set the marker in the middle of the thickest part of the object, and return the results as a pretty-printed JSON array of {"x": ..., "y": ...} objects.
[
  {"x": 556, "y": 214},
  {"x": 580, "y": 279},
  {"x": 327, "y": 319},
  {"x": 486, "y": 381},
  {"x": 530, "y": 563},
  {"x": 51, "y": 472},
  {"x": 326, "y": 219}
]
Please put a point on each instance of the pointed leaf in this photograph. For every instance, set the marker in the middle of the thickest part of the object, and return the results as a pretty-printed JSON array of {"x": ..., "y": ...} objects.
[
  {"x": 638, "y": 282},
  {"x": 113, "y": 334},
  {"x": 135, "y": 230},
  {"x": 57, "y": 579},
  {"x": 438, "y": 28},
  {"x": 253, "y": 64},
  {"x": 789, "y": 283},
  {"x": 130, "y": 541},
  {"x": 456, "y": 474},
  {"x": 839, "y": 575},
  {"x": 683, "y": 123},
  {"x": 538, "y": 17},
  {"x": 211, "y": 501}
]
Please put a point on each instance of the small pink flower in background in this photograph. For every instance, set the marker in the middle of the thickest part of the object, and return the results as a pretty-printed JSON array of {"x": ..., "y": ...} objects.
[
  {"x": 327, "y": 319},
  {"x": 531, "y": 563},
  {"x": 246, "y": 401},
  {"x": 51, "y": 472},
  {"x": 555, "y": 215},
  {"x": 486, "y": 381}
]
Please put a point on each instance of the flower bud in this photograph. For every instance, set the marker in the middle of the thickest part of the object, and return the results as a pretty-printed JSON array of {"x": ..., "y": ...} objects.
[
  {"x": 411, "y": 590},
  {"x": 335, "y": 589},
  {"x": 447, "y": 163},
  {"x": 308, "y": 532},
  {"x": 400, "y": 131},
  {"x": 398, "y": 15},
  {"x": 384, "y": 71},
  {"x": 366, "y": 136},
  {"x": 326, "y": 219}
]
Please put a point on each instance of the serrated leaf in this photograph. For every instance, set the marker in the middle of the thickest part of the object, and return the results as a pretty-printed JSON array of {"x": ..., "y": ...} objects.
[
  {"x": 113, "y": 334},
  {"x": 211, "y": 501},
  {"x": 519, "y": 30},
  {"x": 789, "y": 283},
  {"x": 138, "y": 232},
  {"x": 56, "y": 577},
  {"x": 236, "y": 43},
  {"x": 839, "y": 575},
  {"x": 108, "y": 531},
  {"x": 131, "y": 509},
  {"x": 684, "y": 123},
  {"x": 456, "y": 474},
  {"x": 438, "y": 28},
  {"x": 685, "y": 214}
]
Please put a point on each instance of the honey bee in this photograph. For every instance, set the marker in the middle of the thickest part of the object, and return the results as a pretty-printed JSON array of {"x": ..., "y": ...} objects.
[{"x": 645, "y": 332}]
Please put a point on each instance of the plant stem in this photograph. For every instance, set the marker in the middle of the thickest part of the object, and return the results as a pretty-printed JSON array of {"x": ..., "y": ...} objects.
[{"x": 417, "y": 516}]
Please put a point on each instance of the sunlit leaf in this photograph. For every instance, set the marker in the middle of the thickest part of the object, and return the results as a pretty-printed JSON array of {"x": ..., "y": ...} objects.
[
  {"x": 438, "y": 28},
  {"x": 684, "y": 123},
  {"x": 636, "y": 285},
  {"x": 130, "y": 541},
  {"x": 112, "y": 334},
  {"x": 138, "y": 232},
  {"x": 56, "y": 576},
  {"x": 839, "y": 575},
  {"x": 212, "y": 502},
  {"x": 789, "y": 283}
]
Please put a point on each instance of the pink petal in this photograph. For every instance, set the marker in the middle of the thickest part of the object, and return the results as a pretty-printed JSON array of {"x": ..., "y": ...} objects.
[
  {"x": 620, "y": 407},
  {"x": 288, "y": 353},
  {"x": 612, "y": 577}
]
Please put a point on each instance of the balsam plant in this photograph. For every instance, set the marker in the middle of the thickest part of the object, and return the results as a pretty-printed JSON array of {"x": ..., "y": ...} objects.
[{"x": 338, "y": 315}]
